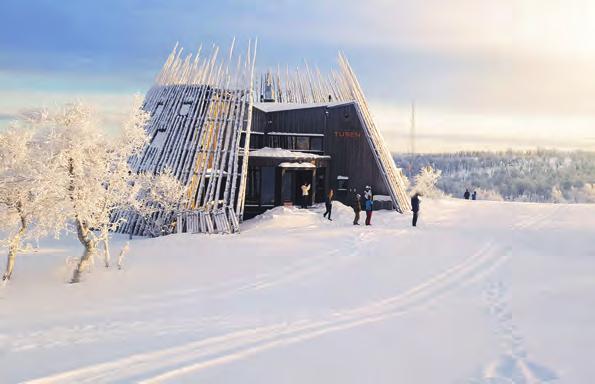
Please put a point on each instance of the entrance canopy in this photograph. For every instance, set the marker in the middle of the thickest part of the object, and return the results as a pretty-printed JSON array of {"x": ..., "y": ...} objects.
[
  {"x": 284, "y": 154},
  {"x": 297, "y": 165}
]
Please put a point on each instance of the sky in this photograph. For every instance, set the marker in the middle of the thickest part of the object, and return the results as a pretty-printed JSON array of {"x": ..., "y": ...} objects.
[{"x": 484, "y": 75}]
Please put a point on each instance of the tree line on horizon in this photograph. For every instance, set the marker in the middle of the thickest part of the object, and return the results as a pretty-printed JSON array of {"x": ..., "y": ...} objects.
[{"x": 550, "y": 176}]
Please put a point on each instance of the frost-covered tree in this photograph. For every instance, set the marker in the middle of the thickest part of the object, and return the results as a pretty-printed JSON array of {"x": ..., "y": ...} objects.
[
  {"x": 29, "y": 195},
  {"x": 94, "y": 170},
  {"x": 556, "y": 195},
  {"x": 488, "y": 194},
  {"x": 118, "y": 179},
  {"x": 426, "y": 181},
  {"x": 157, "y": 201}
]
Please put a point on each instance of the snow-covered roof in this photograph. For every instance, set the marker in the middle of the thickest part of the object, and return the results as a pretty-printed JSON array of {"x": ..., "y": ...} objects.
[
  {"x": 284, "y": 153},
  {"x": 297, "y": 165},
  {"x": 276, "y": 107},
  {"x": 296, "y": 134}
]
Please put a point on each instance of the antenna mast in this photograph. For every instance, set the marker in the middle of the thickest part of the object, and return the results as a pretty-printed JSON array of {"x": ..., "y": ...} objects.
[{"x": 412, "y": 133}]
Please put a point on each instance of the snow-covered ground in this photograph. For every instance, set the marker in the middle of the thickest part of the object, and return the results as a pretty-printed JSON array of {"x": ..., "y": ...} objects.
[{"x": 480, "y": 292}]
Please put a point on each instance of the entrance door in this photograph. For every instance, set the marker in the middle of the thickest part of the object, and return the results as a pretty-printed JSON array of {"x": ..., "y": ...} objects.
[
  {"x": 301, "y": 177},
  {"x": 287, "y": 187},
  {"x": 320, "y": 185}
]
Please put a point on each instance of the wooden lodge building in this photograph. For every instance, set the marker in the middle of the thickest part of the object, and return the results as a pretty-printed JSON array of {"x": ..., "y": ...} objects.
[
  {"x": 242, "y": 145},
  {"x": 322, "y": 144}
]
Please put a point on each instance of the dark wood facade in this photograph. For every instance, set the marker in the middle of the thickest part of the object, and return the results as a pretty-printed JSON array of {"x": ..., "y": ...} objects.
[{"x": 332, "y": 130}]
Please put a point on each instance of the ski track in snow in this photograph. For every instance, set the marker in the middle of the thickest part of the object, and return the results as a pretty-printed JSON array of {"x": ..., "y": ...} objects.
[
  {"x": 113, "y": 330},
  {"x": 170, "y": 363},
  {"x": 537, "y": 221}
]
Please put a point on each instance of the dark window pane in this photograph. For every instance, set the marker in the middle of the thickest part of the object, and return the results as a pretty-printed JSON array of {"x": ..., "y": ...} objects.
[
  {"x": 342, "y": 184},
  {"x": 316, "y": 143},
  {"x": 253, "y": 186},
  {"x": 302, "y": 143},
  {"x": 255, "y": 141},
  {"x": 287, "y": 186},
  {"x": 289, "y": 142},
  {"x": 267, "y": 196}
]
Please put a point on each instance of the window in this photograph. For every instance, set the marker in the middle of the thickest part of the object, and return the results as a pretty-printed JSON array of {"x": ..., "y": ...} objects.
[
  {"x": 185, "y": 108},
  {"x": 295, "y": 142},
  {"x": 253, "y": 186},
  {"x": 316, "y": 144},
  {"x": 302, "y": 143},
  {"x": 256, "y": 141},
  {"x": 342, "y": 183},
  {"x": 267, "y": 196}
]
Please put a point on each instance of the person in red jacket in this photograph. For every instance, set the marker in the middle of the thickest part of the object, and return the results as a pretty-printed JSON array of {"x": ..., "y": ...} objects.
[{"x": 369, "y": 206}]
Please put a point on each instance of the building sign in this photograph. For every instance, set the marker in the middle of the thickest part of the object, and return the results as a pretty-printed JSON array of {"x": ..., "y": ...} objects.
[{"x": 348, "y": 134}]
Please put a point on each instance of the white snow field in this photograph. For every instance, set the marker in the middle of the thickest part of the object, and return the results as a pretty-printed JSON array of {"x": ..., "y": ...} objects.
[{"x": 479, "y": 292}]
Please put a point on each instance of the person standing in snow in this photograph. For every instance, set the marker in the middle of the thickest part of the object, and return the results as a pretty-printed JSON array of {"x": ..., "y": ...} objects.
[
  {"x": 329, "y": 204},
  {"x": 415, "y": 207},
  {"x": 369, "y": 206},
  {"x": 305, "y": 192},
  {"x": 357, "y": 208},
  {"x": 368, "y": 192},
  {"x": 474, "y": 195},
  {"x": 466, "y": 194}
]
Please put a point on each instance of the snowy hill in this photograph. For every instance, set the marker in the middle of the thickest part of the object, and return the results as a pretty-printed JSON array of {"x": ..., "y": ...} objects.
[{"x": 480, "y": 292}]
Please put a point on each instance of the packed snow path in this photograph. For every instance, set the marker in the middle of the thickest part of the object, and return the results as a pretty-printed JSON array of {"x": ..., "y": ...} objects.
[{"x": 480, "y": 292}]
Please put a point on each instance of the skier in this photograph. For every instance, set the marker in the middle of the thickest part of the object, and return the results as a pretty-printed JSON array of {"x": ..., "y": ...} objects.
[
  {"x": 329, "y": 204},
  {"x": 305, "y": 191},
  {"x": 466, "y": 194},
  {"x": 369, "y": 205},
  {"x": 474, "y": 195},
  {"x": 415, "y": 207},
  {"x": 357, "y": 208}
]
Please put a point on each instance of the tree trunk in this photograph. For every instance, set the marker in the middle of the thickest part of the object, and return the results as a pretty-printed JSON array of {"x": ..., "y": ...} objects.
[
  {"x": 13, "y": 248},
  {"x": 12, "y": 254},
  {"x": 106, "y": 253},
  {"x": 123, "y": 253},
  {"x": 85, "y": 235},
  {"x": 86, "y": 238},
  {"x": 90, "y": 250}
]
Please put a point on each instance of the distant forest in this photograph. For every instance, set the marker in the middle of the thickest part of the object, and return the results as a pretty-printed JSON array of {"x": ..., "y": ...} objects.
[{"x": 535, "y": 176}]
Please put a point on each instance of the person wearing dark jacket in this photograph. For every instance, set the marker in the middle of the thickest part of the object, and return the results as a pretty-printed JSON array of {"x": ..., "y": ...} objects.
[
  {"x": 415, "y": 207},
  {"x": 369, "y": 206},
  {"x": 357, "y": 208},
  {"x": 466, "y": 194},
  {"x": 329, "y": 204},
  {"x": 474, "y": 195}
]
